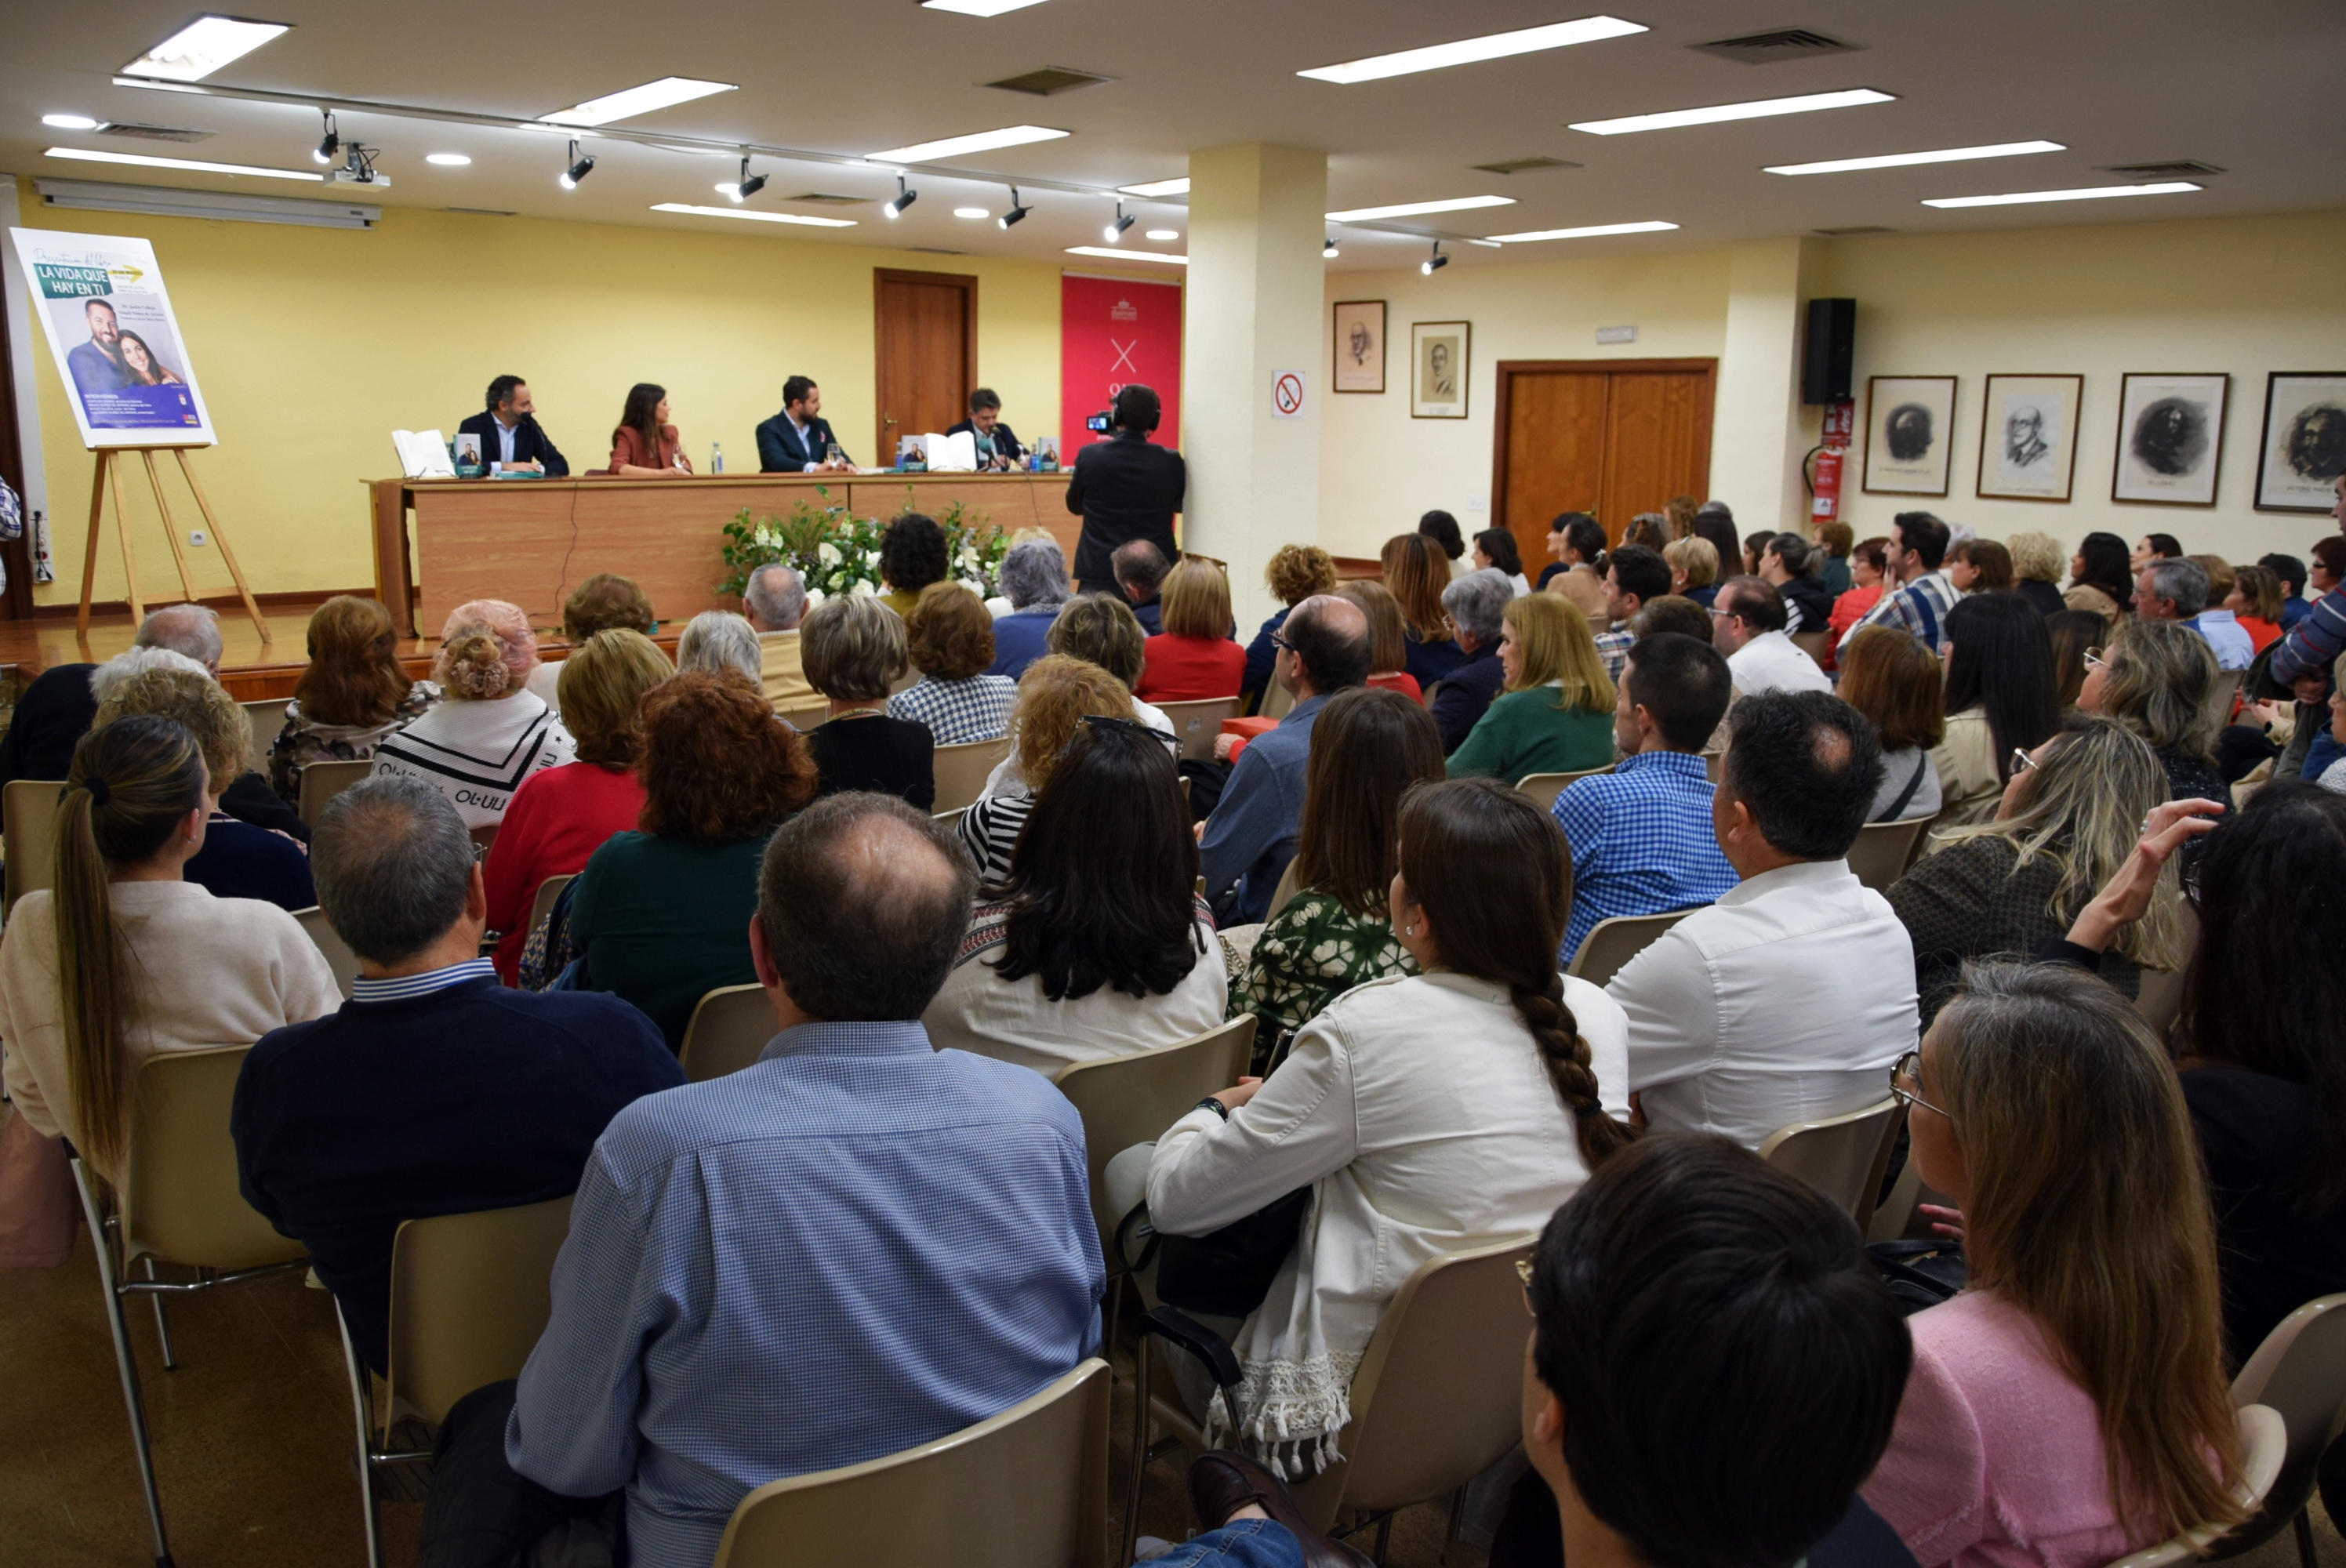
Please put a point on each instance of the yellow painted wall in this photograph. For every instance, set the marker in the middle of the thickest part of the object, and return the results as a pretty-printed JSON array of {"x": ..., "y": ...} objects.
[{"x": 312, "y": 345}]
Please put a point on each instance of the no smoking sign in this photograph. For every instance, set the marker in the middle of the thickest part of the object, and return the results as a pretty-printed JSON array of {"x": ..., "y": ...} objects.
[{"x": 1287, "y": 395}]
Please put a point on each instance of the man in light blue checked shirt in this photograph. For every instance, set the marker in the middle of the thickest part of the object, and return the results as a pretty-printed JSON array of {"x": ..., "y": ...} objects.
[{"x": 1918, "y": 606}]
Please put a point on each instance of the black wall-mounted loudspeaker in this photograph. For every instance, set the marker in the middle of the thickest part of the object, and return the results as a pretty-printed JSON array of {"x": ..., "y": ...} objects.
[{"x": 1831, "y": 352}]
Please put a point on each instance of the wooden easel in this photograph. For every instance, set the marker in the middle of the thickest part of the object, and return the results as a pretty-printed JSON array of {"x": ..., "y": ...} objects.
[{"x": 109, "y": 476}]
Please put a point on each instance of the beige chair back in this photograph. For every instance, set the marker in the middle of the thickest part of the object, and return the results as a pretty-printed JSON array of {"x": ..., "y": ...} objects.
[
  {"x": 266, "y": 718},
  {"x": 1195, "y": 724},
  {"x": 338, "y": 954},
  {"x": 1132, "y": 1099},
  {"x": 181, "y": 1202},
  {"x": 2264, "y": 1440},
  {"x": 808, "y": 716},
  {"x": 1812, "y": 644},
  {"x": 542, "y": 904},
  {"x": 961, "y": 772},
  {"x": 949, "y": 821},
  {"x": 1611, "y": 943},
  {"x": 1281, "y": 895},
  {"x": 1277, "y": 702},
  {"x": 2298, "y": 1372},
  {"x": 1843, "y": 1158},
  {"x": 1544, "y": 787},
  {"x": 1714, "y": 765},
  {"x": 1024, "y": 1489},
  {"x": 1882, "y": 849},
  {"x": 28, "y": 822},
  {"x": 2159, "y": 995},
  {"x": 470, "y": 1293},
  {"x": 322, "y": 781},
  {"x": 727, "y": 1028}
]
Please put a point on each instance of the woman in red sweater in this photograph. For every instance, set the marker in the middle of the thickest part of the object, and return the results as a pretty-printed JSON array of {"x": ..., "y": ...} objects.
[
  {"x": 1194, "y": 659},
  {"x": 560, "y": 816}
]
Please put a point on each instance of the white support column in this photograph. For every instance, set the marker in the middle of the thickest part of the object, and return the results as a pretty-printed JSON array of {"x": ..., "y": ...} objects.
[
  {"x": 1762, "y": 430},
  {"x": 1257, "y": 224}
]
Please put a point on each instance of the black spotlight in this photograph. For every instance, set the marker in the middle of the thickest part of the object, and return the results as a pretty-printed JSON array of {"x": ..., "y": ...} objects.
[
  {"x": 748, "y": 185},
  {"x": 1435, "y": 262},
  {"x": 1017, "y": 214},
  {"x": 905, "y": 197},
  {"x": 330, "y": 143},
  {"x": 1115, "y": 231},
  {"x": 581, "y": 166},
  {"x": 1329, "y": 249}
]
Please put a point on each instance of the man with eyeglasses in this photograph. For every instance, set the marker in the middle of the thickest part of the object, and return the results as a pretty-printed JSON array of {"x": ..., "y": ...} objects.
[{"x": 1747, "y": 624}]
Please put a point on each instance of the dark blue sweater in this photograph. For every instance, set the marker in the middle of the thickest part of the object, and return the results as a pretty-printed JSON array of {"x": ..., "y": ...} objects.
[{"x": 471, "y": 1098}]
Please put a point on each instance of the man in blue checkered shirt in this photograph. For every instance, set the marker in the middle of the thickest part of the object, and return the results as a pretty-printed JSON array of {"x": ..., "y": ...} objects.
[
  {"x": 1641, "y": 836},
  {"x": 1633, "y": 574}
]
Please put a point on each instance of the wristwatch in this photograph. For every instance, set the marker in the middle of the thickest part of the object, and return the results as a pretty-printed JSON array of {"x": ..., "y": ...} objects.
[{"x": 1211, "y": 1104}]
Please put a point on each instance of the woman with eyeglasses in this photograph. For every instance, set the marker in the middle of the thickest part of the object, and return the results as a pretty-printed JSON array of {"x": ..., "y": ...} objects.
[
  {"x": 2070, "y": 1406},
  {"x": 2158, "y": 679},
  {"x": 1096, "y": 943},
  {"x": 2000, "y": 700}
]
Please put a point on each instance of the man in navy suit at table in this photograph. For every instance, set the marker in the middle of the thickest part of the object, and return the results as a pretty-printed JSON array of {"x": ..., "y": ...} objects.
[
  {"x": 510, "y": 433},
  {"x": 997, "y": 445},
  {"x": 796, "y": 439}
]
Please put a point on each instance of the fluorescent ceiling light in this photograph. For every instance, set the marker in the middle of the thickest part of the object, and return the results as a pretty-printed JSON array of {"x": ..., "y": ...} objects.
[
  {"x": 1164, "y": 234},
  {"x": 1114, "y": 253},
  {"x": 2089, "y": 193},
  {"x": 1902, "y": 159},
  {"x": 1591, "y": 232},
  {"x": 666, "y": 93},
  {"x": 753, "y": 217},
  {"x": 978, "y": 7},
  {"x": 1157, "y": 187},
  {"x": 1466, "y": 51},
  {"x": 69, "y": 122},
  {"x": 203, "y": 47},
  {"x": 954, "y": 146},
  {"x": 1411, "y": 208},
  {"x": 447, "y": 159},
  {"x": 971, "y": 212},
  {"x": 186, "y": 165},
  {"x": 1760, "y": 109}
]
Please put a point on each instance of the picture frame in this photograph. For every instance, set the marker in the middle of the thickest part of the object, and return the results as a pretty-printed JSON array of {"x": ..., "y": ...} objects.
[
  {"x": 2170, "y": 438},
  {"x": 1439, "y": 365},
  {"x": 1360, "y": 346},
  {"x": 1908, "y": 434},
  {"x": 2028, "y": 438},
  {"x": 2304, "y": 447}
]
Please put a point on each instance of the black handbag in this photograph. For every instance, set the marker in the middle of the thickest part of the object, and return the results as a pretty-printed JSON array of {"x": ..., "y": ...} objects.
[
  {"x": 1920, "y": 1274},
  {"x": 1225, "y": 1273}
]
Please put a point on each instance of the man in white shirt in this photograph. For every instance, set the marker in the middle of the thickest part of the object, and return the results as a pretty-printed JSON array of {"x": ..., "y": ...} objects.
[
  {"x": 1746, "y": 624},
  {"x": 2177, "y": 590},
  {"x": 1788, "y": 1000}
]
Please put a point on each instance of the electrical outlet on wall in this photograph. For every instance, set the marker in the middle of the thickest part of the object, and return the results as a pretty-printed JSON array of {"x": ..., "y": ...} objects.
[
  {"x": 1478, "y": 503},
  {"x": 195, "y": 537}
]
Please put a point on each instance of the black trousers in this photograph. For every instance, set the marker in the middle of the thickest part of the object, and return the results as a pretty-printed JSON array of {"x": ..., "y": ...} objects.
[{"x": 481, "y": 1513}]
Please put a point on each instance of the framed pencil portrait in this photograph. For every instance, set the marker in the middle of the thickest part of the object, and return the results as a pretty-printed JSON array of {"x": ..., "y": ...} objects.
[
  {"x": 1437, "y": 369},
  {"x": 2028, "y": 438},
  {"x": 2304, "y": 446},
  {"x": 1360, "y": 346},
  {"x": 1909, "y": 432},
  {"x": 2170, "y": 439}
]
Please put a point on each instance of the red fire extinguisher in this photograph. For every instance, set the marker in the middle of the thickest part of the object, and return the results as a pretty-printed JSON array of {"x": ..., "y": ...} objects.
[{"x": 1824, "y": 486}]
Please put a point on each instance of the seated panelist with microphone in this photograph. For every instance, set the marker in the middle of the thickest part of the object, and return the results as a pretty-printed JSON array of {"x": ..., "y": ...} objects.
[
  {"x": 799, "y": 439},
  {"x": 510, "y": 434},
  {"x": 997, "y": 444},
  {"x": 1125, "y": 488}
]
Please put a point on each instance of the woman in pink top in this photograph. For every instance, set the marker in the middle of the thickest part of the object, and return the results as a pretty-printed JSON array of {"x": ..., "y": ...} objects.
[{"x": 2070, "y": 1407}]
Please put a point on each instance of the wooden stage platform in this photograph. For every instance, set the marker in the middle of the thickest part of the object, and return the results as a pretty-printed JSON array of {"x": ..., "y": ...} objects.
[{"x": 249, "y": 668}]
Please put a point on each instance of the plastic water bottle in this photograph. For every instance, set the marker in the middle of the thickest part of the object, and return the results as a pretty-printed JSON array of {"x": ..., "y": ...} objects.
[{"x": 715, "y": 458}]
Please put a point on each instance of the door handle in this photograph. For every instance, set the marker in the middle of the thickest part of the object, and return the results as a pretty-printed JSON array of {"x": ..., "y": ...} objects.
[{"x": 887, "y": 419}]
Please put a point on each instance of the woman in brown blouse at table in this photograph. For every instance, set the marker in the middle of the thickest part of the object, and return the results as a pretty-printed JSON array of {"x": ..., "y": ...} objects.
[{"x": 645, "y": 445}]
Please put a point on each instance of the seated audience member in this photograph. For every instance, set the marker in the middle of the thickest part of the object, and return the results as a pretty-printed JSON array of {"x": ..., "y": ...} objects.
[
  {"x": 1787, "y": 563},
  {"x": 604, "y": 602},
  {"x": 1055, "y": 694},
  {"x": 1426, "y": 1113},
  {"x": 853, "y": 650},
  {"x": 1746, "y": 624},
  {"x": 1101, "y": 629},
  {"x": 1633, "y": 574},
  {"x": 124, "y": 959},
  {"x": 1980, "y": 566},
  {"x": 510, "y": 437},
  {"x": 2001, "y": 700},
  {"x": 660, "y": 917},
  {"x": 1918, "y": 602},
  {"x": 1695, "y": 1311},
  {"x": 2256, "y": 603},
  {"x": 949, "y": 638},
  {"x": 1094, "y": 945},
  {"x": 1575, "y": 544},
  {"x": 1648, "y": 530},
  {"x": 2177, "y": 590},
  {"x": 2100, "y": 579},
  {"x": 2074, "y": 634},
  {"x": 1641, "y": 835},
  {"x": 1715, "y": 523},
  {"x": 2222, "y": 578},
  {"x": 491, "y": 733},
  {"x": 2154, "y": 547},
  {"x": 1708, "y": 1050},
  {"x": 1195, "y": 658},
  {"x": 1294, "y": 573},
  {"x": 1694, "y": 569},
  {"x": 1034, "y": 579},
  {"x": 1868, "y": 572},
  {"x": 560, "y": 817},
  {"x": 1834, "y": 541},
  {"x": 644, "y": 444},
  {"x": 913, "y": 554},
  {"x": 55, "y": 711},
  {"x": 434, "y": 1090},
  {"x": 2157, "y": 678},
  {"x": 2036, "y": 571},
  {"x": 774, "y": 602},
  {"x": 1250, "y": 838},
  {"x": 352, "y": 693},
  {"x": 1368, "y": 749},
  {"x": 1474, "y": 605},
  {"x": 1415, "y": 574},
  {"x": 238, "y": 860},
  {"x": 1755, "y": 545},
  {"x": 2070, "y": 1406},
  {"x": 192, "y": 632},
  {"x": 944, "y": 1266},
  {"x": 719, "y": 640},
  {"x": 2291, "y": 573},
  {"x": 1495, "y": 550},
  {"x": 2066, "y": 826},
  {"x": 1898, "y": 685},
  {"x": 1671, "y": 613},
  {"x": 1555, "y": 712},
  {"x": 1443, "y": 529},
  {"x": 2311, "y": 646},
  {"x": 1388, "y": 637},
  {"x": 1140, "y": 568}
]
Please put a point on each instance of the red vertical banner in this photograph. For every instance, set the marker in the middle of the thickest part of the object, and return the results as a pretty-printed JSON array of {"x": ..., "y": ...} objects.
[{"x": 1114, "y": 332}]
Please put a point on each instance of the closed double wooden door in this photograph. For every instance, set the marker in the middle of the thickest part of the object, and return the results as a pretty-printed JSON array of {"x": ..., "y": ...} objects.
[{"x": 1608, "y": 437}]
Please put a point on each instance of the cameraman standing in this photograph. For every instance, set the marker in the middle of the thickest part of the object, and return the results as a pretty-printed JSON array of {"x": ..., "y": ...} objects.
[{"x": 1125, "y": 488}]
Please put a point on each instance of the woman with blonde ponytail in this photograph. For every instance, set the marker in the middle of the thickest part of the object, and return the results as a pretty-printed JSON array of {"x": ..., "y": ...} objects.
[
  {"x": 125, "y": 958},
  {"x": 1425, "y": 1113},
  {"x": 492, "y": 732}
]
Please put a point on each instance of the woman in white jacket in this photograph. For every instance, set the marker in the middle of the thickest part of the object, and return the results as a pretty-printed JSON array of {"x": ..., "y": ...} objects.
[{"x": 1427, "y": 1114}]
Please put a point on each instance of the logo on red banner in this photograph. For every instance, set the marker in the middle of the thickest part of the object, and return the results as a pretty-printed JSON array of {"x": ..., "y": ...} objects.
[{"x": 1114, "y": 332}]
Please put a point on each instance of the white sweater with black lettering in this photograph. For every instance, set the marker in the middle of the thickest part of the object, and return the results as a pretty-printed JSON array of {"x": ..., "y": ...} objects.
[{"x": 477, "y": 753}]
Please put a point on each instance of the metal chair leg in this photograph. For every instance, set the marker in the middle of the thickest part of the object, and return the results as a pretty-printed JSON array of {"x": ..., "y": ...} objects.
[
  {"x": 162, "y": 1323},
  {"x": 132, "y": 1402},
  {"x": 1139, "y": 1449},
  {"x": 362, "y": 1413},
  {"x": 2304, "y": 1526}
]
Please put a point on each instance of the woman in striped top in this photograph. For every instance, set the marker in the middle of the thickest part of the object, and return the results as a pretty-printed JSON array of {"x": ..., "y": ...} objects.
[{"x": 1056, "y": 691}]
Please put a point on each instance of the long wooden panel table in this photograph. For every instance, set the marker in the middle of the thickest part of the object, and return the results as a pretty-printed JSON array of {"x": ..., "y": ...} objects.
[{"x": 532, "y": 541}]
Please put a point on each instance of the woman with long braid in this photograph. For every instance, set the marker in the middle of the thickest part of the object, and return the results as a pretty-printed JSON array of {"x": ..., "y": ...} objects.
[{"x": 1425, "y": 1113}]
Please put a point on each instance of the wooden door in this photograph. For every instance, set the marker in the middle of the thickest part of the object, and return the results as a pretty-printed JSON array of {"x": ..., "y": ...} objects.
[
  {"x": 926, "y": 330},
  {"x": 1554, "y": 432},
  {"x": 1609, "y": 437}
]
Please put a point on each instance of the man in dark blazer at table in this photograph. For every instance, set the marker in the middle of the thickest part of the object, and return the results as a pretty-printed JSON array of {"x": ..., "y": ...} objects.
[
  {"x": 510, "y": 433},
  {"x": 997, "y": 444},
  {"x": 1125, "y": 488},
  {"x": 794, "y": 441}
]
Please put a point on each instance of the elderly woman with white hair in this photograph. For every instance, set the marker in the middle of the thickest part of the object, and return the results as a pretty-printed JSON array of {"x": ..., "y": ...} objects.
[
  {"x": 1473, "y": 607},
  {"x": 1034, "y": 578},
  {"x": 491, "y": 732},
  {"x": 721, "y": 640}
]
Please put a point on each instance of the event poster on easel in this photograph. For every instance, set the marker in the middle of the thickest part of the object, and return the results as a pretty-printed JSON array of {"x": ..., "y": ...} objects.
[{"x": 117, "y": 344}]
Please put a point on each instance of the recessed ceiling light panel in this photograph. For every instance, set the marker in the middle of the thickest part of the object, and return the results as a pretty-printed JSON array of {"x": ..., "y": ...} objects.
[
  {"x": 1162, "y": 235},
  {"x": 753, "y": 215},
  {"x": 1113, "y": 254},
  {"x": 202, "y": 47},
  {"x": 1157, "y": 187},
  {"x": 955, "y": 145},
  {"x": 1466, "y": 51},
  {"x": 185, "y": 165},
  {"x": 1592, "y": 231},
  {"x": 2089, "y": 193},
  {"x": 971, "y": 212},
  {"x": 1413, "y": 208},
  {"x": 977, "y": 7},
  {"x": 447, "y": 159},
  {"x": 666, "y": 93},
  {"x": 1715, "y": 114},
  {"x": 1902, "y": 159},
  {"x": 69, "y": 122}
]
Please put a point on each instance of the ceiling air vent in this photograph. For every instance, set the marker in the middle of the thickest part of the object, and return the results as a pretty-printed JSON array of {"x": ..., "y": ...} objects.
[
  {"x": 1766, "y": 48},
  {"x": 481, "y": 211},
  {"x": 1524, "y": 165},
  {"x": 935, "y": 250},
  {"x": 2181, "y": 168},
  {"x": 1050, "y": 79},
  {"x": 152, "y": 133},
  {"x": 1852, "y": 233},
  {"x": 823, "y": 198}
]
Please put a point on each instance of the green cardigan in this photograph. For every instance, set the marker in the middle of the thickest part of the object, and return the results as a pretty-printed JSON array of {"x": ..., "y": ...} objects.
[{"x": 1523, "y": 732}]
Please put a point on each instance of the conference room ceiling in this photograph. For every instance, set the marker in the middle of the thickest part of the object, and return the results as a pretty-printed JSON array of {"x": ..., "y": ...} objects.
[{"x": 2250, "y": 88}]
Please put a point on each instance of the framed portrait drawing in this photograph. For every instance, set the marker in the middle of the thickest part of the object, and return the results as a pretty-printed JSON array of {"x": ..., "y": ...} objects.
[
  {"x": 1909, "y": 430},
  {"x": 1437, "y": 361},
  {"x": 1360, "y": 346},
  {"x": 2170, "y": 439},
  {"x": 2304, "y": 446},
  {"x": 2028, "y": 438}
]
